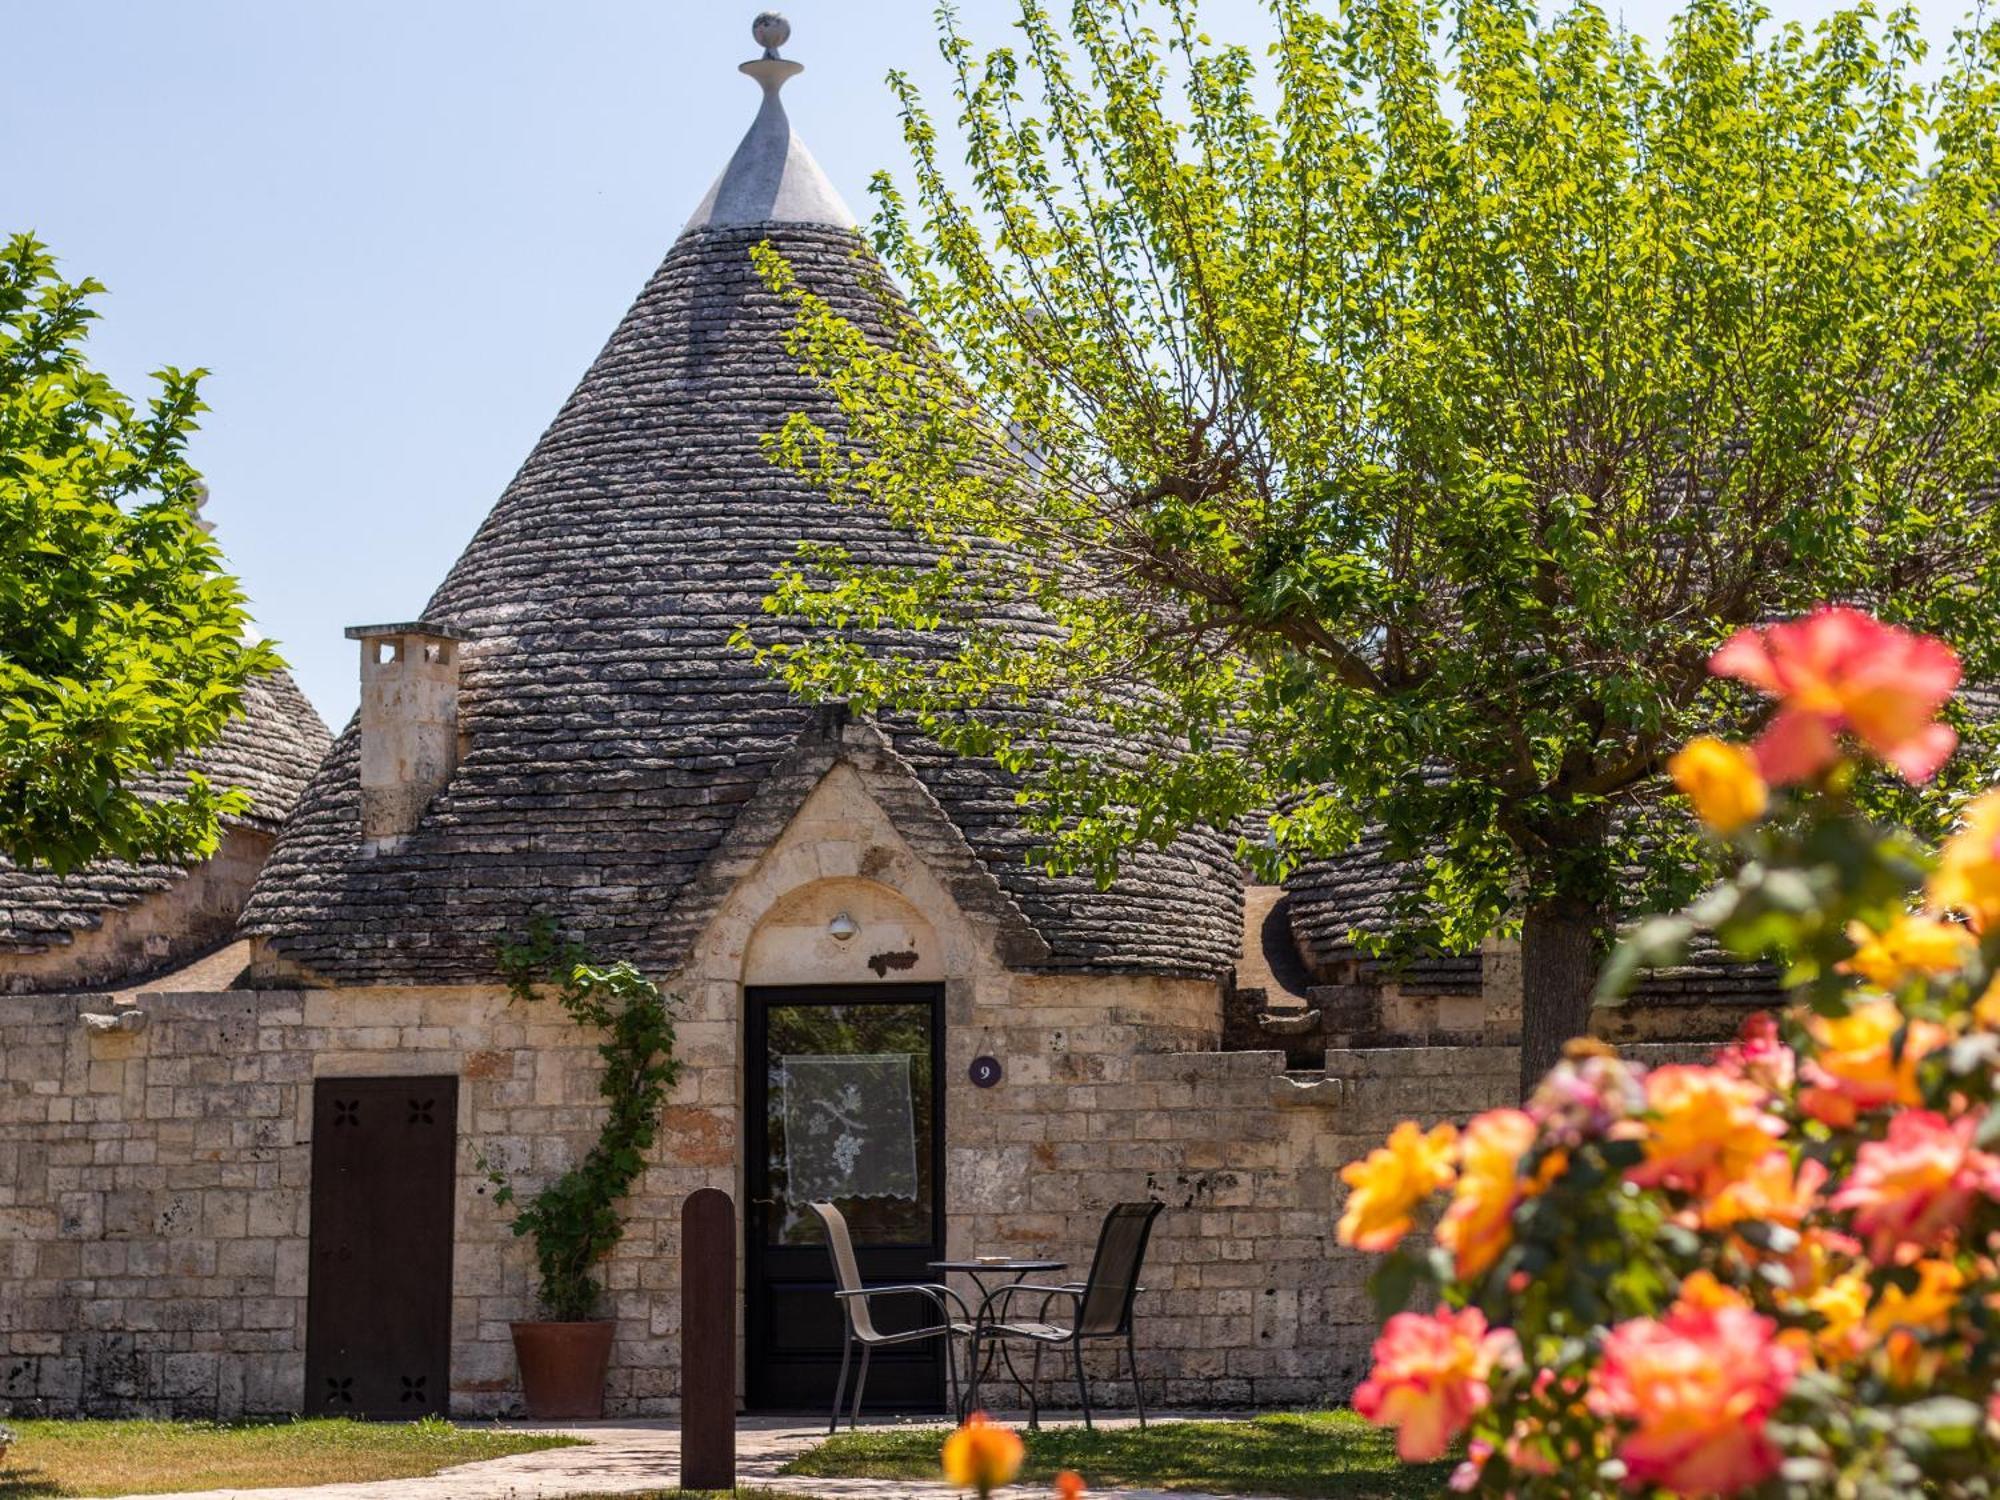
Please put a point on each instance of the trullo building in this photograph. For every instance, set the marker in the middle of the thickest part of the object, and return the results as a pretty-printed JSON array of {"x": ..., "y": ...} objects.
[
  {"x": 118, "y": 923},
  {"x": 267, "y": 1198}
]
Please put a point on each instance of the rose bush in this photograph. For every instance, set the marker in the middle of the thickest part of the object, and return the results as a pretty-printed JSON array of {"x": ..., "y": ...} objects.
[{"x": 1778, "y": 1272}]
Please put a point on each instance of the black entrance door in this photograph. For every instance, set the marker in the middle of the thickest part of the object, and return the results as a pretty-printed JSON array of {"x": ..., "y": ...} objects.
[
  {"x": 378, "y": 1298},
  {"x": 845, "y": 1103}
]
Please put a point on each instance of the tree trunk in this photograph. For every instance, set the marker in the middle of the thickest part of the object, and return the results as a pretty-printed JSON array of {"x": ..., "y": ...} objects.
[{"x": 1560, "y": 952}]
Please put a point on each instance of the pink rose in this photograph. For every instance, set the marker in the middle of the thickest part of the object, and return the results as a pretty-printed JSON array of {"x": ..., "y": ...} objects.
[
  {"x": 1842, "y": 670},
  {"x": 1918, "y": 1182},
  {"x": 1430, "y": 1377},
  {"x": 1697, "y": 1389}
]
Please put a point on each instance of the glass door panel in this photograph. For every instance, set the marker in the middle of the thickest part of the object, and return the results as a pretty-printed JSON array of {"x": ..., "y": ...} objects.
[
  {"x": 848, "y": 1120},
  {"x": 845, "y": 1106}
]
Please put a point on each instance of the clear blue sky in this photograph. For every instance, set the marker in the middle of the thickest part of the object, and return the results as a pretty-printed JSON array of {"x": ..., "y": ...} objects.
[{"x": 398, "y": 230}]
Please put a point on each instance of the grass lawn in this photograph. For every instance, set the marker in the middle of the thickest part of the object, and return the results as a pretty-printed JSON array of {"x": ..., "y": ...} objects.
[
  {"x": 161, "y": 1458},
  {"x": 1312, "y": 1454}
]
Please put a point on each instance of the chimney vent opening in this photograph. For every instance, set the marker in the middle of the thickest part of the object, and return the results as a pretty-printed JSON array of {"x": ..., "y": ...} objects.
[{"x": 409, "y": 725}]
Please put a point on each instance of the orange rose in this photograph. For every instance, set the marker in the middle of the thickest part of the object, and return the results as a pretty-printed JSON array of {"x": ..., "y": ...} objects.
[
  {"x": 1701, "y": 1291},
  {"x": 1774, "y": 1191},
  {"x": 1906, "y": 1363},
  {"x": 1856, "y": 1068},
  {"x": 1707, "y": 1129},
  {"x": 980, "y": 1456}
]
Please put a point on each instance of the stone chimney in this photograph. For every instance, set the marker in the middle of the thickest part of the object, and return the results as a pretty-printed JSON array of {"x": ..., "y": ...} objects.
[{"x": 409, "y": 724}]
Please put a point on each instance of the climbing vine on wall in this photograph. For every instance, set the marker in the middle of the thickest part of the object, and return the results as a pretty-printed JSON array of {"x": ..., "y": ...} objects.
[{"x": 576, "y": 1220}]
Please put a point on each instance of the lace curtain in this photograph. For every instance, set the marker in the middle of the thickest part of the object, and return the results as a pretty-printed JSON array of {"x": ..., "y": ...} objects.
[{"x": 850, "y": 1131}]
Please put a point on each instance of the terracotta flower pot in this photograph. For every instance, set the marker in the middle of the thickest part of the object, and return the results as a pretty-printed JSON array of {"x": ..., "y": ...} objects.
[{"x": 562, "y": 1367}]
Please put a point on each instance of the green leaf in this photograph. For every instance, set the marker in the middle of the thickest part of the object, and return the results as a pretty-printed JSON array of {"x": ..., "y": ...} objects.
[
  {"x": 1946, "y": 1421},
  {"x": 1393, "y": 1282}
]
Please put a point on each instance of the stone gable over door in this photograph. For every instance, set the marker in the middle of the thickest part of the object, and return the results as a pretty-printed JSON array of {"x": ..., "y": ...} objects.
[{"x": 845, "y": 826}]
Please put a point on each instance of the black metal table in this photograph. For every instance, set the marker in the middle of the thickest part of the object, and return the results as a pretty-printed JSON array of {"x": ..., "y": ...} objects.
[{"x": 979, "y": 1268}]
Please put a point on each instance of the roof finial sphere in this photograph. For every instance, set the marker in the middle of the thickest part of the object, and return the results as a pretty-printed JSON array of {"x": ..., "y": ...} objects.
[{"x": 771, "y": 31}]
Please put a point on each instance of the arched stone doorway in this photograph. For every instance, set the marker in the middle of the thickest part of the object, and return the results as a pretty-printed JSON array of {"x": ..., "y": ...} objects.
[{"x": 844, "y": 1102}]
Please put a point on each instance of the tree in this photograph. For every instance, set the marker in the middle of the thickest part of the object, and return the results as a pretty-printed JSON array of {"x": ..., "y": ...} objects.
[
  {"x": 1396, "y": 456},
  {"x": 121, "y": 639}
]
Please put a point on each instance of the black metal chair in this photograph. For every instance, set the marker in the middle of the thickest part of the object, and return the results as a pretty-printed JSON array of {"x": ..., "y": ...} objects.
[
  {"x": 1103, "y": 1309},
  {"x": 861, "y": 1329}
]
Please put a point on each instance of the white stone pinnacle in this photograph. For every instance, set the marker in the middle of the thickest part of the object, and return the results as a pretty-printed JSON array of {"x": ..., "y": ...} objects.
[{"x": 772, "y": 178}]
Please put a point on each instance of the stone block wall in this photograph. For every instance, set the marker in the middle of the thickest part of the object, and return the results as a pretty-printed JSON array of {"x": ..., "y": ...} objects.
[
  {"x": 1249, "y": 1300},
  {"x": 155, "y": 1194}
]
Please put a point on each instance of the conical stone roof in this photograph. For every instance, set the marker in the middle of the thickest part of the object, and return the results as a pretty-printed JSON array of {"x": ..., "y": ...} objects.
[
  {"x": 615, "y": 736},
  {"x": 269, "y": 751}
]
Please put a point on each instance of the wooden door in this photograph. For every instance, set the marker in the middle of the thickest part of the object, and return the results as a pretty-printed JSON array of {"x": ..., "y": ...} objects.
[
  {"x": 378, "y": 1302},
  {"x": 806, "y": 1046}
]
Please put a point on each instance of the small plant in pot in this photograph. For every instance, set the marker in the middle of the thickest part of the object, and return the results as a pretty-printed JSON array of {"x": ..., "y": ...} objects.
[{"x": 576, "y": 1220}]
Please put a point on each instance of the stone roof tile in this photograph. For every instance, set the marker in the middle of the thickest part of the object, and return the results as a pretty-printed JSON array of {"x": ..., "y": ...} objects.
[{"x": 270, "y": 751}]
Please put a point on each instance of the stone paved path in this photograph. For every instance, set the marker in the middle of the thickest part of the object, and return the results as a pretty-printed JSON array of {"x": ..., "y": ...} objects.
[{"x": 627, "y": 1457}]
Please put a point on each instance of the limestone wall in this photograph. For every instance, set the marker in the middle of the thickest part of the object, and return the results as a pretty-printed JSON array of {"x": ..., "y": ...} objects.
[
  {"x": 154, "y": 1189},
  {"x": 154, "y": 1192},
  {"x": 1249, "y": 1301}
]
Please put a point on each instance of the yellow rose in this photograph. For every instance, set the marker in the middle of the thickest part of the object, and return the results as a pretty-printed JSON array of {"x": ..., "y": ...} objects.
[
  {"x": 1479, "y": 1224},
  {"x": 1392, "y": 1181},
  {"x": 1774, "y": 1191},
  {"x": 1843, "y": 1302},
  {"x": 1927, "y": 1308},
  {"x": 1917, "y": 945},
  {"x": 1986, "y": 1009},
  {"x": 1967, "y": 878},
  {"x": 1722, "y": 782}
]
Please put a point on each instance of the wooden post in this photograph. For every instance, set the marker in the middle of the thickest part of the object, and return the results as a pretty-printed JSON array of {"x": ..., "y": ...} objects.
[{"x": 708, "y": 1341}]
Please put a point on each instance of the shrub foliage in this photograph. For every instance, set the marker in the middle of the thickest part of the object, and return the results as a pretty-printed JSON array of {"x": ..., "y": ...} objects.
[{"x": 1774, "y": 1273}]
